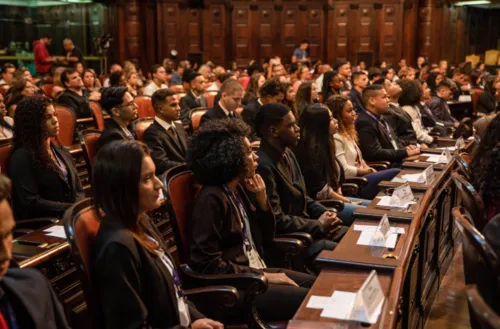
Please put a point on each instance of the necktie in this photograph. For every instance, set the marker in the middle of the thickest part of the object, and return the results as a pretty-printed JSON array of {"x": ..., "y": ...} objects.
[
  {"x": 3, "y": 322},
  {"x": 198, "y": 101},
  {"x": 176, "y": 137}
]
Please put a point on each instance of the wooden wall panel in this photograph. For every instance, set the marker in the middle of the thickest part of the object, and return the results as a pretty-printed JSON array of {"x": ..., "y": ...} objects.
[
  {"x": 267, "y": 29},
  {"x": 293, "y": 30},
  {"x": 315, "y": 31},
  {"x": 390, "y": 37},
  {"x": 215, "y": 33},
  {"x": 409, "y": 35},
  {"x": 242, "y": 45},
  {"x": 338, "y": 33}
]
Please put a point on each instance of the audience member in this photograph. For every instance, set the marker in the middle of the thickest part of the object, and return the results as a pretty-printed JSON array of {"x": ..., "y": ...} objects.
[
  {"x": 44, "y": 176},
  {"x": 177, "y": 76},
  {"x": 8, "y": 70},
  {"x": 306, "y": 95},
  {"x": 303, "y": 75},
  {"x": 120, "y": 105},
  {"x": 300, "y": 54},
  {"x": 316, "y": 155},
  {"x": 194, "y": 97},
  {"x": 489, "y": 187},
  {"x": 289, "y": 99},
  {"x": 114, "y": 68},
  {"x": 377, "y": 140},
  {"x": 428, "y": 120},
  {"x": 360, "y": 82},
  {"x": 78, "y": 66},
  {"x": 462, "y": 86},
  {"x": 74, "y": 97},
  {"x": 222, "y": 78},
  {"x": 344, "y": 69},
  {"x": 482, "y": 153},
  {"x": 439, "y": 106},
  {"x": 90, "y": 81},
  {"x": 433, "y": 80},
  {"x": 333, "y": 83},
  {"x": 232, "y": 222},
  {"x": 158, "y": 80},
  {"x": 136, "y": 279},
  {"x": 374, "y": 73},
  {"x": 322, "y": 70},
  {"x": 252, "y": 91},
  {"x": 20, "y": 89},
  {"x": 487, "y": 102},
  {"x": 218, "y": 72},
  {"x": 166, "y": 136},
  {"x": 6, "y": 122}
]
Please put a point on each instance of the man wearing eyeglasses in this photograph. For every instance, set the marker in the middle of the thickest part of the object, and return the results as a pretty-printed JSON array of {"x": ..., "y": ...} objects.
[{"x": 120, "y": 105}]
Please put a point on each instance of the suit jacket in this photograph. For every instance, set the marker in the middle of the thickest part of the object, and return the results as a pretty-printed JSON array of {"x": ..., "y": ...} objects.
[
  {"x": 486, "y": 103},
  {"x": 356, "y": 100},
  {"x": 80, "y": 105},
  {"x": 400, "y": 122},
  {"x": 249, "y": 112},
  {"x": 293, "y": 210},
  {"x": 112, "y": 132},
  {"x": 42, "y": 192},
  {"x": 33, "y": 301},
  {"x": 482, "y": 124},
  {"x": 374, "y": 142},
  {"x": 215, "y": 113},
  {"x": 136, "y": 289},
  {"x": 427, "y": 117},
  {"x": 217, "y": 236},
  {"x": 441, "y": 111},
  {"x": 167, "y": 151},
  {"x": 188, "y": 103}
]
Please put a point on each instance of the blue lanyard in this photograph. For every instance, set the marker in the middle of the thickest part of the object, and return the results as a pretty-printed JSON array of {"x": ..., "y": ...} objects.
[
  {"x": 242, "y": 214},
  {"x": 384, "y": 124}
]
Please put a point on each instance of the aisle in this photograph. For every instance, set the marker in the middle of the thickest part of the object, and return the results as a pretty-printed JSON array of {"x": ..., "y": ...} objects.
[{"x": 450, "y": 310}]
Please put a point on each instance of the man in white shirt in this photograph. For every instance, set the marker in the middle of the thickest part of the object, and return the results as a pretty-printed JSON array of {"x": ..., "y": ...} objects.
[{"x": 159, "y": 76}]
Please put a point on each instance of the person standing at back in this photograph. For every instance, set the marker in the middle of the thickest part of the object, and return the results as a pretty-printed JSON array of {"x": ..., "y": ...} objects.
[{"x": 43, "y": 60}]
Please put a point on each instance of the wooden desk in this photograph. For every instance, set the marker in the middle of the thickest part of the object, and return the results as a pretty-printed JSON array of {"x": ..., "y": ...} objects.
[
  {"x": 349, "y": 280},
  {"x": 419, "y": 187}
]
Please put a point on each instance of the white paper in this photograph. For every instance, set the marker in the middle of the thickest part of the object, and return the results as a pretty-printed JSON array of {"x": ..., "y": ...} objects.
[
  {"x": 428, "y": 174},
  {"x": 384, "y": 226},
  {"x": 451, "y": 148},
  {"x": 373, "y": 228},
  {"x": 340, "y": 306},
  {"x": 318, "y": 302},
  {"x": 465, "y": 98},
  {"x": 414, "y": 178},
  {"x": 397, "y": 179},
  {"x": 437, "y": 159},
  {"x": 56, "y": 231},
  {"x": 385, "y": 201},
  {"x": 367, "y": 236}
]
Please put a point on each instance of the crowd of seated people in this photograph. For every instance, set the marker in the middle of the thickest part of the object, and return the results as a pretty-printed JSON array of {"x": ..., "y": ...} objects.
[{"x": 270, "y": 155}]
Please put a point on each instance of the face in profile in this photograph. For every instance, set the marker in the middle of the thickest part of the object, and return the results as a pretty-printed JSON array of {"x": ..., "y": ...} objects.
[
  {"x": 7, "y": 224},
  {"x": 380, "y": 101},
  {"x": 333, "y": 128},
  {"x": 51, "y": 122},
  {"x": 149, "y": 186},
  {"x": 171, "y": 109},
  {"x": 251, "y": 159},
  {"x": 287, "y": 131},
  {"x": 348, "y": 114}
]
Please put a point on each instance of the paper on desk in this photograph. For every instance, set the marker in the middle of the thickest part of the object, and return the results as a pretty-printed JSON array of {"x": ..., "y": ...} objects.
[
  {"x": 56, "y": 231},
  {"x": 451, "y": 148},
  {"x": 414, "y": 178},
  {"x": 397, "y": 179},
  {"x": 373, "y": 228},
  {"x": 366, "y": 237},
  {"x": 385, "y": 202},
  {"x": 437, "y": 159},
  {"x": 341, "y": 307},
  {"x": 318, "y": 302}
]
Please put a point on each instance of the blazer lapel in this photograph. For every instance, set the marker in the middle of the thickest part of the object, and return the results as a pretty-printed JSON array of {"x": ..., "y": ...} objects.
[
  {"x": 182, "y": 135},
  {"x": 68, "y": 164}
]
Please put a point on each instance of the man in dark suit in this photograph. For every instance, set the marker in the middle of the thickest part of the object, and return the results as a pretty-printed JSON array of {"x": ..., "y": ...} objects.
[
  {"x": 344, "y": 69},
  {"x": 119, "y": 103},
  {"x": 166, "y": 136},
  {"x": 439, "y": 106},
  {"x": 294, "y": 211},
  {"x": 360, "y": 82},
  {"x": 26, "y": 297},
  {"x": 231, "y": 96},
  {"x": 377, "y": 140},
  {"x": 194, "y": 97}
]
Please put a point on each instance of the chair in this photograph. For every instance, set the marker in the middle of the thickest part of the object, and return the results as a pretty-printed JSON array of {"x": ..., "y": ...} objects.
[
  {"x": 6, "y": 148},
  {"x": 471, "y": 200},
  {"x": 463, "y": 165},
  {"x": 140, "y": 126},
  {"x": 145, "y": 107},
  {"x": 88, "y": 141},
  {"x": 97, "y": 114},
  {"x": 483, "y": 313},
  {"x": 210, "y": 96},
  {"x": 47, "y": 89},
  {"x": 177, "y": 88},
  {"x": 475, "y": 99},
  {"x": 195, "y": 117},
  {"x": 67, "y": 122},
  {"x": 81, "y": 223}
]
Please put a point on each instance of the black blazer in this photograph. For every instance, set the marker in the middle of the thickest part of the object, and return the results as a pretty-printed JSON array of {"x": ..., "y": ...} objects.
[
  {"x": 42, "y": 192},
  {"x": 374, "y": 142},
  {"x": 188, "y": 103},
  {"x": 400, "y": 122},
  {"x": 80, "y": 105},
  {"x": 135, "y": 287},
  {"x": 441, "y": 111},
  {"x": 215, "y": 113},
  {"x": 167, "y": 151},
  {"x": 486, "y": 103},
  {"x": 112, "y": 132},
  {"x": 249, "y": 112},
  {"x": 32, "y": 299},
  {"x": 427, "y": 117},
  {"x": 216, "y": 234},
  {"x": 293, "y": 210},
  {"x": 356, "y": 100}
]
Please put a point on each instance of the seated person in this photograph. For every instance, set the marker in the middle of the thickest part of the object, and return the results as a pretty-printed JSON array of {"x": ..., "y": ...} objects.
[
  {"x": 487, "y": 102},
  {"x": 409, "y": 101},
  {"x": 488, "y": 181},
  {"x": 462, "y": 86},
  {"x": 481, "y": 124},
  {"x": 6, "y": 122},
  {"x": 293, "y": 210},
  {"x": 75, "y": 96},
  {"x": 119, "y": 103},
  {"x": 231, "y": 96},
  {"x": 428, "y": 121},
  {"x": 307, "y": 94},
  {"x": 43, "y": 174},
  {"x": 138, "y": 284},
  {"x": 166, "y": 136},
  {"x": 26, "y": 293},
  {"x": 8, "y": 70},
  {"x": 360, "y": 82},
  {"x": 21, "y": 88},
  {"x": 397, "y": 118},
  {"x": 158, "y": 80},
  {"x": 347, "y": 151},
  {"x": 377, "y": 141},
  {"x": 482, "y": 152},
  {"x": 439, "y": 107},
  {"x": 194, "y": 97},
  {"x": 332, "y": 84},
  {"x": 315, "y": 153},
  {"x": 232, "y": 221}
]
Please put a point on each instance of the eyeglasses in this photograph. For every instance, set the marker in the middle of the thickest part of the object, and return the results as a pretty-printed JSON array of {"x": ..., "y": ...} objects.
[{"x": 131, "y": 104}]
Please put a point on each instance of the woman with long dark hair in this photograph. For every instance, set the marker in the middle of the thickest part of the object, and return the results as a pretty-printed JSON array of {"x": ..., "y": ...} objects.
[
  {"x": 347, "y": 150},
  {"x": 289, "y": 99},
  {"x": 489, "y": 185},
  {"x": 316, "y": 155},
  {"x": 252, "y": 91},
  {"x": 487, "y": 102},
  {"x": 44, "y": 176},
  {"x": 233, "y": 223},
  {"x": 306, "y": 95},
  {"x": 433, "y": 80},
  {"x": 20, "y": 89},
  {"x": 6, "y": 123},
  {"x": 136, "y": 277},
  {"x": 490, "y": 139},
  {"x": 333, "y": 83}
]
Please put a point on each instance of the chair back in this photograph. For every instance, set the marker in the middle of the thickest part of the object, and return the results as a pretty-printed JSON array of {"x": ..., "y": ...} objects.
[
  {"x": 81, "y": 223},
  {"x": 210, "y": 96},
  {"x": 88, "y": 141},
  {"x": 181, "y": 193},
  {"x": 195, "y": 117},
  {"x": 463, "y": 165},
  {"x": 144, "y": 107},
  {"x": 475, "y": 99},
  {"x": 486, "y": 317},
  {"x": 6, "y": 148},
  {"x": 177, "y": 88},
  {"x": 471, "y": 200},
  {"x": 67, "y": 122},
  {"x": 140, "y": 126},
  {"x": 97, "y": 114},
  {"x": 47, "y": 89}
]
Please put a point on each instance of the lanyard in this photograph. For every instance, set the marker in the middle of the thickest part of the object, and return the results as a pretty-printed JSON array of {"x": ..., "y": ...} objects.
[
  {"x": 236, "y": 201},
  {"x": 385, "y": 125}
]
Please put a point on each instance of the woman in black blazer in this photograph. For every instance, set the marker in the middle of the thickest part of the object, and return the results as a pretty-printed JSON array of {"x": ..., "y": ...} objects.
[
  {"x": 232, "y": 221},
  {"x": 488, "y": 102},
  {"x": 43, "y": 174},
  {"x": 138, "y": 284}
]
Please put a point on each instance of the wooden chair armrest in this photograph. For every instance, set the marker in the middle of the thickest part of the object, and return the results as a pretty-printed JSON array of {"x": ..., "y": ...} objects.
[
  {"x": 335, "y": 204},
  {"x": 289, "y": 246},
  {"x": 360, "y": 181},
  {"x": 305, "y": 238},
  {"x": 223, "y": 296},
  {"x": 350, "y": 190}
]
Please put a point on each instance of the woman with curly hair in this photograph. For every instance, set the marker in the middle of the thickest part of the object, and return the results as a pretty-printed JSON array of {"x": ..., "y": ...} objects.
[
  {"x": 232, "y": 221},
  {"x": 489, "y": 186},
  {"x": 20, "y": 89},
  {"x": 44, "y": 176},
  {"x": 490, "y": 139},
  {"x": 347, "y": 150}
]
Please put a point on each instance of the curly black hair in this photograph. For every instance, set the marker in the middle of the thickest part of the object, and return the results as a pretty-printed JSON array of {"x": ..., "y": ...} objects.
[
  {"x": 30, "y": 131},
  {"x": 217, "y": 152},
  {"x": 490, "y": 186},
  {"x": 490, "y": 139}
]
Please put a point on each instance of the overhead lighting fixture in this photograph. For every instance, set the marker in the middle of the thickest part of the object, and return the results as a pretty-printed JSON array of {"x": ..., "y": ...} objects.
[{"x": 472, "y": 3}]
